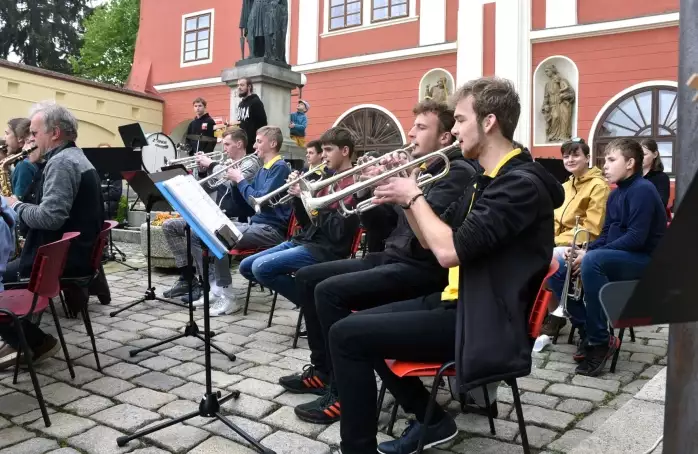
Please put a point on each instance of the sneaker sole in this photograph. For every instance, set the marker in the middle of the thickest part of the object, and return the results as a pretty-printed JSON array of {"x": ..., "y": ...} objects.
[
  {"x": 432, "y": 444},
  {"x": 324, "y": 422},
  {"x": 315, "y": 391}
]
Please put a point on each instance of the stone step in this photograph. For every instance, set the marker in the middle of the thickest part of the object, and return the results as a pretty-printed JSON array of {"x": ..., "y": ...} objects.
[
  {"x": 129, "y": 235},
  {"x": 136, "y": 218}
]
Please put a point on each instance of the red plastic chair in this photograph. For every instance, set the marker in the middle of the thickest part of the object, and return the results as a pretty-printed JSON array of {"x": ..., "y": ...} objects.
[
  {"x": 86, "y": 281},
  {"x": 439, "y": 370},
  {"x": 21, "y": 304}
]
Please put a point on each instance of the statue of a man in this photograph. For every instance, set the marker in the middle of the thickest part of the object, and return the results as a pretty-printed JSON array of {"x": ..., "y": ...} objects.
[
  {"x": 264, "y": 24},
  {"x": 559, "y": 97}
]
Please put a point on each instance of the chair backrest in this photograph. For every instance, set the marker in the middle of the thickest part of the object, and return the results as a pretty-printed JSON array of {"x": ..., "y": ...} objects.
[
  {"x": 48, "y": 266},
  {"x": 540, "y": 306},
  {"x": 356, "y": 244},
  {"x": 100, "y": 242}
]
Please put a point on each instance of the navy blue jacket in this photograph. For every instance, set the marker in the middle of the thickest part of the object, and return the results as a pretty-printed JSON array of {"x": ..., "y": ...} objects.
[
  {"x": 635, "y": 218},
  {"x": 266, "y": 180}
]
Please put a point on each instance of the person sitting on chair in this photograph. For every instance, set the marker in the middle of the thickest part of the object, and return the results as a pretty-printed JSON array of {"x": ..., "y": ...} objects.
[
  {"x": 503, "y": 220},
  {"x": 329, "y": 238},
  {"x": 635, "y": 222},
  {"x": 586, "y": 193},
  {"x": 653, "y": 169}
]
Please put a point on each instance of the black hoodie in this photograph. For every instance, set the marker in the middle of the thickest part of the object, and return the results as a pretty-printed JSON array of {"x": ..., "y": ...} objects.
[
  {"x": 251, "y": 116},
  {"x": 504, "y": 246},
  {"x": 202, "y": 125}
]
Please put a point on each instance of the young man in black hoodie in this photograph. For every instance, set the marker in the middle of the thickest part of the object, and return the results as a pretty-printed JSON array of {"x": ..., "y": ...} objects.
[
  {"x": 329, "y": 291},
  {"x": 201, "y": 125},
  {"x": 499, "y": 236},
  {"x": 251, "y": 113}
]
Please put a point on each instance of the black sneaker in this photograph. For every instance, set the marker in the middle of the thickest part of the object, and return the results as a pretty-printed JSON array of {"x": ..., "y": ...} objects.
[
  {"x": 47, "y": 349},
  {"x": 437, "y": 434},
  {"x": 196, "y": 292},
  {"x": 179, "y": 288},
  {"x": 596, "y": 358},
  {"x": 581, "y": 352},
  {"x": 310, "y": 381},
  {"x": 323, "y": 410},
  {"x": 553, "y": 325}
]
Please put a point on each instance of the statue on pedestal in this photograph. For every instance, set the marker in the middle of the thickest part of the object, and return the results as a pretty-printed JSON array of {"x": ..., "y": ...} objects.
[
  {"x": 264, "y": 23},
  {"x": 559, "y": 97},
  {"x": 438, "y": 93}
]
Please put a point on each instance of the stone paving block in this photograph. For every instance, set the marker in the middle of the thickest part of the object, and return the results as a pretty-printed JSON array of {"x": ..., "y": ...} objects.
[
  {"x": 63, "y": 425},
  {"x": 219, "y": 445},
  {"x": 265, "y": 346},
  {"x": 167, "y": 324},
  {"x": 4, "y": 390},
  {"x": 293, "y": 400},
  {"x": 65, "y": 451},
  {"x": 284, "y": 418},
  {"x": 189, "y": 391},
  {"x": 123, "y": 337},
  {"x": 148, "y": 342},
  {"x": 158, "y": 381},
  {"x": 218, "y": 378},
  {"x": 32, "y": 446},
  {"x": 271, "y": 337},
  {"x": 611, "y": 386},
  {"x": 89, "y": 360},
  {"x": 13, "y": 435},
  {"x": 266, "y": 373},
  {"x": 126, "y": 417},
  {"x": 634, "y": 387},
  {"x": 74, "y": 351},
  {"x": 630, "y": 366},
  {"x": 124, "y": 371},
  {"x": 150, "y": 450},
  {"x": 159, "y": 333},
  {"x": 218, "y": 361},
  {"x": 595, "y": 420},
  {"x": 651, "y": 371},
  {"x": 544, "y": 417},
  {"x": 123, "y": 353},
  {"x": 53, "y": 365},
  {"x": 4, "y": 422},
  {"x": 479, "y": 425},
  {"x": 160, "y": 363},
  {"x": 178, "y": 438},
  {"x": 636, "y": 347},
  {"x": 101, "y": 440},
  {"x": 485, "y": 446},
  {"x": 239, "y": 329},
  {"x": 31, "y": 416},
  {"x": 24, "y": 382},
  {"x": 89, "y": 405},
  {"x": 143, "y": 318},
  {"x": 289, "y": 443},
  {"x": 82, "y": 375},
  {"x": 255, "y": 429},
  {"x": 181, "y": 353},
  {"x": 259, "y": 388},
  {"x": 549, "y": 375},
  {"x": 569, "y": 440},
  {"x": 60, "y": 394},
  {"x": 643, "y": 358},
  {"x": 16, "y": 404},
  {"x": 332, "y": 437},
  {"x": 575, "y": 406},
  {"x": 145, "y": 398},
  {"x": 178, "y": 408},
  {"x": 577, "y": 392},
  {"x": 532, "y": 384},
  {"x": 299, "y": 353},
  {"x": 108, "y": 386},
  {"x": 538, "y": 436},
  {"x": 250, "y": 406},
  {"x": 258, "y": 356},
  {"x": 185, "y": 370},
  {"x": 619, "y": 400},
  {"x": 541, "y": 400},
  {"x": 561, "y": 357},
  {"x": 290, "y": 363},
  {"x": 567, "y": 368}
]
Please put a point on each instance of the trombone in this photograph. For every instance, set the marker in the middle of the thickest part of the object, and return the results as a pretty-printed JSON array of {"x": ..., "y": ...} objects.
[
  {"x": 312, "y": 204},
  {"x": 259, "y": 202},
  {"x": 190, "y": 161},
  {"x": 218, "y": 175},
  {"x": 572, "y": 288}
]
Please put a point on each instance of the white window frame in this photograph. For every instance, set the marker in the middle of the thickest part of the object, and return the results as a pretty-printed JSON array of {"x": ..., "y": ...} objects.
[
  {"x": 366, "y": 17},
  {"x": 182, "y": 63}
]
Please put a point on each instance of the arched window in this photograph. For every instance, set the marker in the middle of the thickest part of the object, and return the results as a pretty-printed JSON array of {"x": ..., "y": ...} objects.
[
  {"x": 372, "y": 130},
  {"x": 648, "y": 112}
]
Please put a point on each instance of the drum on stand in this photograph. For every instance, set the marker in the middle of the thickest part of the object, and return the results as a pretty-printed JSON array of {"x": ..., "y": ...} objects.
[{"x": 160, "y": 147}]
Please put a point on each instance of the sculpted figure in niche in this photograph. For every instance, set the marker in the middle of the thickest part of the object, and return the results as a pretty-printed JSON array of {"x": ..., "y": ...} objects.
[
  {"x": 438, "y": 93},
  {"x": 558, "y": 101}
]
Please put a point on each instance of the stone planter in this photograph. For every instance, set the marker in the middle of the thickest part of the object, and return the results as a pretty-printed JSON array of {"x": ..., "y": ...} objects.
[{"x": 161, "y": 256}]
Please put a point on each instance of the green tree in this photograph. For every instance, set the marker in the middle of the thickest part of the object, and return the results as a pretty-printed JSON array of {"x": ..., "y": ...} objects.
[
  {"x": 109, "y": 42},
  {"x": 43, "y": 33}
]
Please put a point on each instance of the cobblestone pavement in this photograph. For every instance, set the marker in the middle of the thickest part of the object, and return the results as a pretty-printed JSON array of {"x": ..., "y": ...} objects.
[{"x": 89, "y": 412}]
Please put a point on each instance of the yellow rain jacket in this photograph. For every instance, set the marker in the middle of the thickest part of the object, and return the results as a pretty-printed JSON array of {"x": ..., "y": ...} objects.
[{"x": 584, "y": 197}]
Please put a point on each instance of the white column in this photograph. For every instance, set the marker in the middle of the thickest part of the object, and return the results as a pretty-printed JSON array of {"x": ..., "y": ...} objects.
[
  {"x": 560, "y": 13},
  {"x": 470, "y": 40},
  {"x": 513, "y": 56},
  {"x": 308, "y": 33},
  {"x": 432, "y": 22}
]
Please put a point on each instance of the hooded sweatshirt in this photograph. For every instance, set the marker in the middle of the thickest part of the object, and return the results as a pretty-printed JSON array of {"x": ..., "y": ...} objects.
[
  {"x": 585, "y": 197},
  {"x": 252, "y": 116},
  {"x": 202, "y": 125}
]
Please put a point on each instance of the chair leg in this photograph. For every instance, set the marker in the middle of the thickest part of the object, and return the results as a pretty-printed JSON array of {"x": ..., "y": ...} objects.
[
  {"x": 379, "y": 404},
  {"x": 570, "y": 339},
  {"x": 271, "y": 312},
  {"x": 65, "y": 308},
  {"x": 17, "y": 362},
  {"x": 393, "y": 418},
  {"x": 632, "y": 335},
  {"x": 88, "y": 327},
  {"x": 487, "y": 405},
  {"x": 61, "y": 339},
  {"x": 519, "y": 415},
  {"x": 431, "y": 405},
  {"x": 247, "y": 298},
  {"x": 298, "y": 328},
  {"x": 617, "y": 353}
]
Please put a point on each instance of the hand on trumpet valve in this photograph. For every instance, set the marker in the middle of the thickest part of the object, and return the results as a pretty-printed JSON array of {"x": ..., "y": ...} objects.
[
  {"x": 234, "y": 174},
  {"x": 202, "y": 160},
  {"x": 398, "y": 190},
  {"x": 295, "y": 189},
  {"x": 577, "y": 259}
]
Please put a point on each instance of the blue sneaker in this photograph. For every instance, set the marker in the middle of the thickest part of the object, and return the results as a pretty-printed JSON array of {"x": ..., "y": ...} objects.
[{"x": 437, "y": 434}]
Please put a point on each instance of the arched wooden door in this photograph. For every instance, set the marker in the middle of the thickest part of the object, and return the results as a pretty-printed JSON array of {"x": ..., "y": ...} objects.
[{"x": 372, "y": 130}]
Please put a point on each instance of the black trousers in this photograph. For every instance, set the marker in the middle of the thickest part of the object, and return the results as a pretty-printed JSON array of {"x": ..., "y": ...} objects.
[
  {"x": 35, "y": 337},
  {"x": 330, "y": 291},
  {"x": 422, "y": 329}
]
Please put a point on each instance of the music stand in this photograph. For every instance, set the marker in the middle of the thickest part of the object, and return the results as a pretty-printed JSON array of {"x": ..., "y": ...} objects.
[
  {"x": 109, "y": 163},
  {"x": 144, "y": 185},
  {"x": 132, "y": 136}
]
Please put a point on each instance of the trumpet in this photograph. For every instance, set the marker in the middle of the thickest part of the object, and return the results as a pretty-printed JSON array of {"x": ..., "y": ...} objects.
[
  {"x": 572, "y": 288},
  {"x": 259, "y": 202},
  {"x": 218, "y": 176},
  {"x": 312, "y": 204},
  {"x": 190, "y": 161}
]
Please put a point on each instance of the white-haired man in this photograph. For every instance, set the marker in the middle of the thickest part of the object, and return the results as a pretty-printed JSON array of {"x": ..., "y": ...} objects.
[{"x": 68, "y": 199}]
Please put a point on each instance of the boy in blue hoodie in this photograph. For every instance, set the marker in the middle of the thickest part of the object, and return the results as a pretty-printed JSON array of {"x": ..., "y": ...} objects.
[
  {"x": 635, "y": 222},
  {"x": 298, "y": 123}
]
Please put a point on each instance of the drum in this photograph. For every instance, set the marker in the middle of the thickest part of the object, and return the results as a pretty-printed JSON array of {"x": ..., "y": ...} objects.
[{"x": 160, "y": 147}]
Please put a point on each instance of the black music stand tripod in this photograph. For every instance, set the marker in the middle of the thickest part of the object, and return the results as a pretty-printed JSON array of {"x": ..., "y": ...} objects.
[
  {"x": 144, "y": 185},
  {"x": 210, "y": 405}
]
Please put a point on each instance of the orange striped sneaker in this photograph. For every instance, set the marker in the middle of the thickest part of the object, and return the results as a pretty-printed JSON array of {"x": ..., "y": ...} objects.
[
  {"x": 310, "y": 381},
  {"x": 324, "y": 410}
]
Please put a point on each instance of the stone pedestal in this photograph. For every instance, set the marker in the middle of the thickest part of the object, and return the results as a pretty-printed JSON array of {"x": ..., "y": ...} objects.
[{"x": 273, "y": 84}]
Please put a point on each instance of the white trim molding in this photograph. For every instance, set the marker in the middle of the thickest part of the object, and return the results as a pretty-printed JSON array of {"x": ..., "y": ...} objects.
[
  {"x": 308, "y": 17},
  {"x": 560, "y": 13},
  {"x": 189, "y": 84},
  {"x": 470, "y": 53},
  {"x": 432, "y": 22},
  {"x": 606, "y": 28},
  {"x": 366, "y": 14},
  {"x": 182, "y": 63},
  {"x": 381, "y": 57},
  {"x": 610, "y": 102},
  {"x": 377, "y": 107}
]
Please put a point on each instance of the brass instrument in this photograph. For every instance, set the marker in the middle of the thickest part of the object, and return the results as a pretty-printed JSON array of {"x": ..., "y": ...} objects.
[
  {"x": 314, "y": 204},
  {"x": 572, "y": 288},
  {"x": 218, "y": 176},
  {"x": 190, "y": 161},
  {"x": 5, "y": 181},
  {"x": 259, "y": 202}
]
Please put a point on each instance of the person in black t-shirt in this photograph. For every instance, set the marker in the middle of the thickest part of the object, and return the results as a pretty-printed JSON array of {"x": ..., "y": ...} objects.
[
  {"x": 251, "y": 114},
  {"x": 203, "y": 125}
]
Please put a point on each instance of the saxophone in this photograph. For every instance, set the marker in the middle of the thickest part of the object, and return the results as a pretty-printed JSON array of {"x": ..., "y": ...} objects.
[{"x": 5, "y": 182}]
